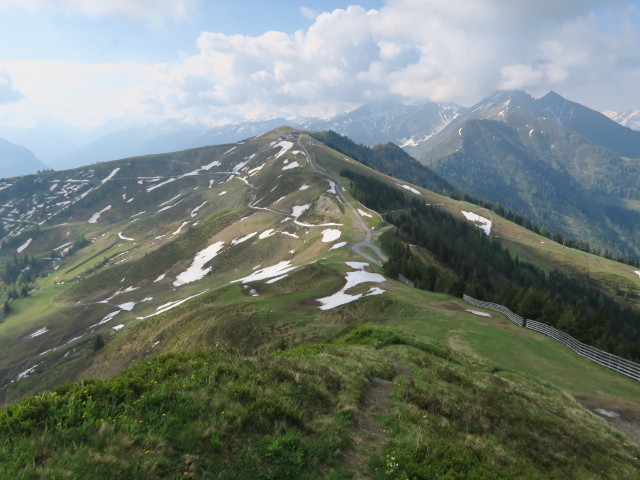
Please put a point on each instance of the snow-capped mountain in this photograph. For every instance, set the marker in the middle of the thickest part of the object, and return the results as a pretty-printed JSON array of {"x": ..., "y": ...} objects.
[
  {"x": 627, "y": 118},
  {"x": 395, "y": 122}
]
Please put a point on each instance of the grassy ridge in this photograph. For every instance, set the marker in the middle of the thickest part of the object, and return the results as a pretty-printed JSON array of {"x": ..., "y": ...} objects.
[{"x": 291, "y": 414}]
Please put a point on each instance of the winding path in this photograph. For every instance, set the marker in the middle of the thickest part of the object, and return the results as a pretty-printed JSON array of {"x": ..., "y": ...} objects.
[{"x": 366, "y": 243}]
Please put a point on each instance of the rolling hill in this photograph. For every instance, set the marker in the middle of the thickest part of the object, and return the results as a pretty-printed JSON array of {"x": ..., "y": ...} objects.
[{"x": 247, "y": 285}]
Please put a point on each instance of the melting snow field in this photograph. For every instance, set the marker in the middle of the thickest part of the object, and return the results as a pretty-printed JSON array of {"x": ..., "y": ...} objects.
[
  {"x": 194, "y": 212},
  {"x": 476, "y": 312},
  {"x": 266, "y": 233},
  {"x": 291, "y": 165},
  {"x": 353, "y": 278},
  {"x": 269, "y": 272},
  {"x": 410, "y": 188},
  {"x": 330, "y": 235},
  {"x": 363, "y": 213},
  {"x": 197, "y": 271},
  {"x": 105, "y": 180},
  {"x": 122, "y": 237},
  {"x": 96, "y": 216},
  {"x": 236, "y": 241},
  {"x": 338, "y": 245},
  {"x": 304, "y": 187},
  {"x": 37, "y": 333},
  {"x": 483, "y": 223},
  {"x": 637, "y": 272},
  {"x": 298, "y": 210},
  {"x": 168, "y": 306},
  {"x": 284, "y": 145},
  {"x": 23, "y": 246}
]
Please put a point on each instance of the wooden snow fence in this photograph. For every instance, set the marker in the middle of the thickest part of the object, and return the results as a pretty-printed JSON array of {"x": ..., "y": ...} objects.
[{"x": 608, "y": 360}]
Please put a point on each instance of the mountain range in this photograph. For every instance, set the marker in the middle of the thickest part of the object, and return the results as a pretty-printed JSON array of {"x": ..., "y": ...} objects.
[{"x": 277, "y": 307}]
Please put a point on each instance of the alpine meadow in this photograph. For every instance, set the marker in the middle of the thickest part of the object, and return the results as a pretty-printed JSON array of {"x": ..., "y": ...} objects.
[{"x": 267, "y": 241}]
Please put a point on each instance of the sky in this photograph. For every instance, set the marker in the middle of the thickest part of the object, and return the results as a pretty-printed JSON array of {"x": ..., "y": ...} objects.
[{"x": 89, "y": 63}]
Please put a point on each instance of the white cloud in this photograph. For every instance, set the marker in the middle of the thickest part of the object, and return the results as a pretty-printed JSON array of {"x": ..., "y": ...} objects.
[
  {"x": 409, "y": 49},
  {"x": 8, "y": 94}
]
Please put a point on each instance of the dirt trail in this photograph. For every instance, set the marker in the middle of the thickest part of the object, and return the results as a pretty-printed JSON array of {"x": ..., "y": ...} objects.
[
  {"x": 366, "y": 243},
  {"x": 370, "y": 436}
]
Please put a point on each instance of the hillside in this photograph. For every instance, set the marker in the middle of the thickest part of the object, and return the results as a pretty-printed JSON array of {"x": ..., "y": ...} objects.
[
  {"x": 260, "y": 255},
  {"x": 546, "y": 160}
]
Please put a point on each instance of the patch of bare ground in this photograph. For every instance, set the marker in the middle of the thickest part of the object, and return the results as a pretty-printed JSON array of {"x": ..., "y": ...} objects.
[
  {"x": 621, "y": 415},
  {"x": 369, "y": 437}
]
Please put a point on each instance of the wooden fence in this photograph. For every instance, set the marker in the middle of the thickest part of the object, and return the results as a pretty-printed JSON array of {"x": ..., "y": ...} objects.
[{"x": 608, "y": 360}]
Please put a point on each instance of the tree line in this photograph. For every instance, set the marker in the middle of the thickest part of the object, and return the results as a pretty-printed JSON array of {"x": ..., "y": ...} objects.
[{"x": 457, "y": 257}]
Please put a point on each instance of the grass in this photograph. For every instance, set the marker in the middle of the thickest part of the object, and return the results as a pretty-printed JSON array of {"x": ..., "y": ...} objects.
[
  {"x": 502, "y": 343},
  {"x": 291, "y": 414}
]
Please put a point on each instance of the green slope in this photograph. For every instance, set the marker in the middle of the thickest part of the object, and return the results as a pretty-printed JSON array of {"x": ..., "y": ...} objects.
[
  {"x": 298, "y": 414},
  {"x": 260, "y": 335}
]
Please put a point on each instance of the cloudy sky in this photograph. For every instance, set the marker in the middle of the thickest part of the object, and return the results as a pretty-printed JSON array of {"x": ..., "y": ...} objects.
[{"x": 87, "y": 62}]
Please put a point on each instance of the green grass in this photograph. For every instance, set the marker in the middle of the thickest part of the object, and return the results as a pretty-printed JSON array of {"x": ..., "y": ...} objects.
[
  {"x": 292, "y": 414},
  {"x": 509, "y": 347}
]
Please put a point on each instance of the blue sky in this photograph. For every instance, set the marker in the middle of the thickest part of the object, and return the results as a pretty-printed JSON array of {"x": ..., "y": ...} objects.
[{"x": 87, "y": 63}]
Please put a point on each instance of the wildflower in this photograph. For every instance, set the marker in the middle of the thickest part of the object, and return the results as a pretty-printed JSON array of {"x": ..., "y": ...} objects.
[
  {"x": 54, "y": 393},
  {"x": 146, "y": 451}
]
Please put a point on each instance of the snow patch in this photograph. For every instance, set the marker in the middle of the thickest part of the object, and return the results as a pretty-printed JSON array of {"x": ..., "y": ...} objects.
[
  {"x": 169, "y": 206},
  {"x": 304, "y": 187},
  {"x": 277, "y": 279},
  {"x": 298, "y": 210},
  {"x": 284, "y": 145},
  {"x": 122, "y": 237},
  {"x": 215, "y": 163},
  {"x": 160, "y": 278},
  {"x": 106, "y": 319},
  {"x": 23, "y": 246},
  {"x": 26, "y": 373},
  {"x": 363, "y": 213},
  {"x": 158, "y": 185},
  {"x": 291, "y": 165},
  {"x": 96, "y": 216},
  {"x": 332, "y": 187},
  {"x": 37, "y": 333},
  {"x": 222, "y": 193},
  {"x": 330, "y": 235},
  {"x": 268, "y": 272},
  {"x": 337, "y": 245},
  {"x": 607, "y": 413},
  {"x": 194, "y": 212},
  {"x": 236, "y": 241},
  {"x": 197, "y": 271},
  {"x": 637, "y": 272},
  {"x": 481, "y": 314},
  {"x": 128, "y": 306},
  {"x": 353, "y": 278},
  {"x": 170, "y": 305},
  {"x": 118, "y": 327},
  {"x": 266, "y": 233},
  {"x": 483, "y": 223},
  {"x": 105, "y": 180},
  {"x": 410, "y": 188}
]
